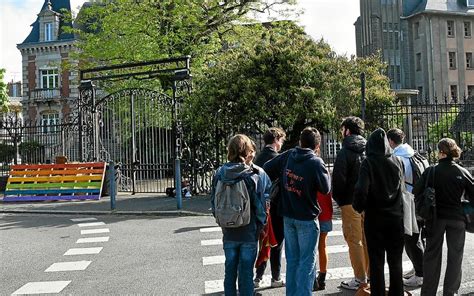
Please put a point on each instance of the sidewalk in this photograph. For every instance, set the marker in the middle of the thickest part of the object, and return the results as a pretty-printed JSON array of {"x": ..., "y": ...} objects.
[{"x": 126, "y": 204}]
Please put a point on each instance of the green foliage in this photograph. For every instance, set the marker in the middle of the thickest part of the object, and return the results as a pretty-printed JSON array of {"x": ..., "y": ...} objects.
[
  {"x": 7, "y": 153},
  {"x": 3, "y": 92},
  {"x": 279, "y": 75},
  {"x": 442, "y": 128}
]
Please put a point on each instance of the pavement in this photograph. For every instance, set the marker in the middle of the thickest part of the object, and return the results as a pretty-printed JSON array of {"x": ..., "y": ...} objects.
[{"x": 153, "y": 204}]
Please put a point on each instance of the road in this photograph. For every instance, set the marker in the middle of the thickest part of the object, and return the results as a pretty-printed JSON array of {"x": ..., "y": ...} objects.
[{"x": 109, "y": 255}]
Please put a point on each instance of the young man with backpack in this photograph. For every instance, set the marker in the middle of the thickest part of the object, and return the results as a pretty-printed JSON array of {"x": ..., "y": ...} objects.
[
  {"x": 302, "y": 174},
  {"x": 273, "y": 138},
  {"x": 414, "y": 165},
  {"x": 238, "y": 204}
]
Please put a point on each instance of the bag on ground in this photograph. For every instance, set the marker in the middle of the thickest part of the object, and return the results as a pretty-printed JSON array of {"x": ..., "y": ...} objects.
[{"x": 232, "y": 204}]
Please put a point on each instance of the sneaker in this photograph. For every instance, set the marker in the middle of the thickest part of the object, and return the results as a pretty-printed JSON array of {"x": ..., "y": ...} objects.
[
  {"x": 277, "y": 283},
  {"x": 414, "y": 281},
  {"x": 409, "y": 274},
  {"x": 256, "y": 282},
  {"x": 353, "y": 284}
]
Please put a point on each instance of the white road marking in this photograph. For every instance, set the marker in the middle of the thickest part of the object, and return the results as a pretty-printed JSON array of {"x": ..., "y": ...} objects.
[
  {"x": 98, "y": 239},
  {"x": 210, "y": 229},
  {"x": 83, "y": 219},
  {"x": 42, "y": 287},
  {"x": 336, "y": 222},
  {"x": 217, "y": 286},
  {"x": 211, "y": 242},
  {"x": 68, "y": 266},
  {"x": 335, "y": 233},
  {"x": 83, "y": 251},
  {"x": 90, "y": 224},
  {"x": 211, "y": 260},
  {"x": 92, "y": 231}
]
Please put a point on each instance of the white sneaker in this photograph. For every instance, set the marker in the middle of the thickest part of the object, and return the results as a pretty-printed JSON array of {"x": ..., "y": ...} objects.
[
  {"x": 409, "y": 274},
  {"x": 414, "y": 281},
  {"x": 353, "y": 284},
  {"x": 277, "y": 283}
]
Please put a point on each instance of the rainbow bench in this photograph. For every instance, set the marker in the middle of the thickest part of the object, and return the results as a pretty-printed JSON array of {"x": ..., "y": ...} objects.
[{"x": 70, "y": 181}]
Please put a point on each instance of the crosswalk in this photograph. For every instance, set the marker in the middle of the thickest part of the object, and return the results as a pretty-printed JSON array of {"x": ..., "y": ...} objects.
[
  {"x": 54, "y": 287},
  {"x": 212, "y": 237}
]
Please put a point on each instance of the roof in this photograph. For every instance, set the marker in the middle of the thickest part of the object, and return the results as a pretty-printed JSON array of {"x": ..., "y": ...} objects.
[
  {"x": 57, "y": 6},
  {"x": 446, "y": 6}
]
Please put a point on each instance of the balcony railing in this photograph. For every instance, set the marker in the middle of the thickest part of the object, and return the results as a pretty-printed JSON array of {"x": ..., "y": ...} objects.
[{"x": 45, "y": 94}]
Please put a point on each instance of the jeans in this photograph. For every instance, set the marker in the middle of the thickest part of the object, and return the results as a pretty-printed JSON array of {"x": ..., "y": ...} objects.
[
  {"x": 239, "y": 260},
  {"x": 301, "y": 240}
]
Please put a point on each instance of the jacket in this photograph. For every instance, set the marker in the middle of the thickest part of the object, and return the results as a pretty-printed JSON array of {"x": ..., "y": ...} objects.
[
  {"x": 302, "y": 175},
  {"x": 404, "y": 151},
  {"x": 378, "y": 190},
  {"x": 346, "y": 169},
  {"x": 450, "y": 182},
  {"x": 258, "y": 185},
  {"x": 265, "y": 155}
]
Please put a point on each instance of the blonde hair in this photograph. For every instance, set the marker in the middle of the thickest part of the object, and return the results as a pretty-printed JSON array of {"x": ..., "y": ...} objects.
[
  {"x": 449, "y": 147},
  {"x": 239, "y": 148}
]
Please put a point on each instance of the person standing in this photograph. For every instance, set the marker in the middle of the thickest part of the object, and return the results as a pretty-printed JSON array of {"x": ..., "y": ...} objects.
[
  {"x": 240, "y": 243},
  {"x": 413, "y": 246},
  {"x": 450, "y": 182},
  {"x": 325, "y": 224},
  {"x": 303, "y": 174},
  {"x": 273, "y": 138},
  {"x": 344, "y": 178},
  {"x": 378, "y": 194}
]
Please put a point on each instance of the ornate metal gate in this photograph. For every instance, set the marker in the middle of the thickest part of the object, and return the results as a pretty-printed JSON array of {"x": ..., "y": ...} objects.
[{"x": 139, "y": 129}]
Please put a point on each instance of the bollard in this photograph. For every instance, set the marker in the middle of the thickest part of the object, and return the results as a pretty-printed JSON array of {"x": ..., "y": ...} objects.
[
  {"x": 179, "y": 193},
  {"x": 112, "y": 185}
]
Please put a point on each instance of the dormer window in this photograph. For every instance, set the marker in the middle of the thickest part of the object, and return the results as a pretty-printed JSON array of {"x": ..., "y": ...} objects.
[{"x": 48, "y": 32}]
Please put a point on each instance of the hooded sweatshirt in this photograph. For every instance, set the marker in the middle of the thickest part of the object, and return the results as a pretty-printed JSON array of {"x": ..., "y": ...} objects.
[
  {"x": 302, "y": 175},
  {"x": 377, "y": 191},
  {"x": 404, "y": 151},
  {"x": 258, "y": 186},
  {"x": 346, "y": 169}
]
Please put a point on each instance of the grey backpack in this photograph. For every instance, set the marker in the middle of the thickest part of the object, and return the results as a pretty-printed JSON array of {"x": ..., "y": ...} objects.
[{"x": 232, "y": 202}]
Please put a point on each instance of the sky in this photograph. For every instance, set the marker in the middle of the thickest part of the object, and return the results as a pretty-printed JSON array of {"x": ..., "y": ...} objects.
[{"x": 329, "y": 19}]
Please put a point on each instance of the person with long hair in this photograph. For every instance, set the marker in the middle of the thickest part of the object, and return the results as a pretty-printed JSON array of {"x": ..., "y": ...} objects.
[{"x": 450, "y": 182}]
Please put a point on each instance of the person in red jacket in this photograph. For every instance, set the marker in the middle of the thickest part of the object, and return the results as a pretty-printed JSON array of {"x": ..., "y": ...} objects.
[{"x": 325, "y": 225}]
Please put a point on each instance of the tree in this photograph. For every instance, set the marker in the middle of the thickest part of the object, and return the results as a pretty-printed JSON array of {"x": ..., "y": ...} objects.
[
  {"x": 282, "y": 76},
  {"x": 3, "y": 92}
]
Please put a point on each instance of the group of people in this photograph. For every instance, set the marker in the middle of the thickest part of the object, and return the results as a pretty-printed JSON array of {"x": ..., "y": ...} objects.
[{"x": 290, "y": 197}]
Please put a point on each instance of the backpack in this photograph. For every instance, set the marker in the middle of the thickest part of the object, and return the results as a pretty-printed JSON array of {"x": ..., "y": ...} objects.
[
  {"x": 418, "y": 165},
  {"x": 232, "y": 204}
]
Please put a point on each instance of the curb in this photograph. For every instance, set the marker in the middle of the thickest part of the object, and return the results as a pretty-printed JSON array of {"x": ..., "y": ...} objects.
[{"x": 176, "y": 213}]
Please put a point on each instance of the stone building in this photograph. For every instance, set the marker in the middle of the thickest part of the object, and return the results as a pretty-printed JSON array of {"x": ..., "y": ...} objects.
[
  {"x": 427, "y": 44},
  {"x": 49, "y": 88}
]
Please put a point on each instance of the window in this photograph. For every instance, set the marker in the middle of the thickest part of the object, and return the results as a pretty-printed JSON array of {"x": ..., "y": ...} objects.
[
  {"x": 469, "y": 64},
  {"x": 450, "y": 28},
  {"x": 418, "y": 62},
  {"x": 48, "y": 32},
  {"x": 453, "y": 91},
  {"x": 467, "y": 29},
  {"x": 417, "y": 30},
  {"x": 49, "y": 78},
  {"x": 452, "y": 60},
  {"x": 470, "y": 91},
  {"x": 49, "y": 122},
  {"x": 470, "y": 3}
]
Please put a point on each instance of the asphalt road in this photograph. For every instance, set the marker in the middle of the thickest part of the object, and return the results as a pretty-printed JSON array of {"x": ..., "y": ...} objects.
[{"x": 138, "y": 255}]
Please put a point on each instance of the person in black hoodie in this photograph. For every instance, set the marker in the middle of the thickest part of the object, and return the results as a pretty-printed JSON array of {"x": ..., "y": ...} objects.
[
  {"x": 378, "y": 194},
  {"x": 450, "y": 182},
  {"x": 344, "y": 177},
  {"x": 273, "y": 138},
  {"x": 302, "y": 174}
]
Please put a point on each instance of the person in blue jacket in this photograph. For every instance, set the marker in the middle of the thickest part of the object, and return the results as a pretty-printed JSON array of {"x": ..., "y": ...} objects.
[
  {"x": 240, "y": 244},
  {"x": 302, "y": 174}
]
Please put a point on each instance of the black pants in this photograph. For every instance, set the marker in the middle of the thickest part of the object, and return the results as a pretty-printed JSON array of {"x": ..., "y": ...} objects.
[
  {"x": 385, "y": 235},
  {"x": 455, "y": 231},
  {"x": 415, "y": 250},
  {"x": 275, "y": 252}
]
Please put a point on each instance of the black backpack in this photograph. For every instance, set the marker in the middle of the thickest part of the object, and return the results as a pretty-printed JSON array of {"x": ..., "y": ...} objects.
[{"x": 418, "y": 165}]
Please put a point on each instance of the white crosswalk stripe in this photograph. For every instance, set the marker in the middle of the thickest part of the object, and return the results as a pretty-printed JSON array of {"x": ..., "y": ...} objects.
[
  {"x": 83, "y": 219},
  {"x": 68, "y": 266},
  {"x": 93, "y": 231},
  {"x": 91, "y": 224},
  {"x": 42, "y": 287},
  {"x": 83, "y": 251},
  {"x": 98, "y": 239}
]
